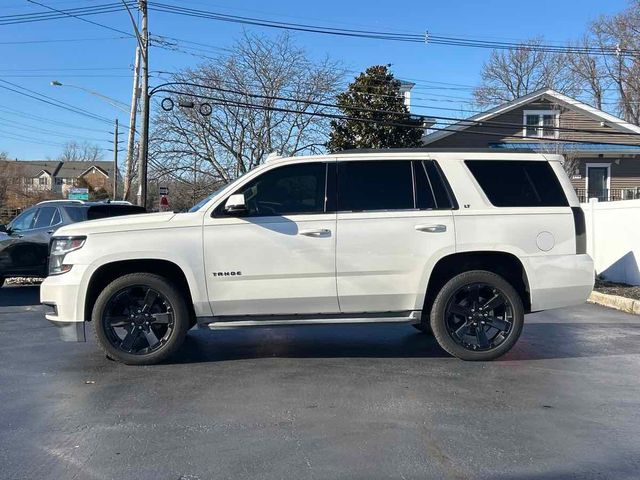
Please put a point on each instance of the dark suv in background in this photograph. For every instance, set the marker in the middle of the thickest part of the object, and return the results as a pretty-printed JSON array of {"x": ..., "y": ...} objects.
[{"x": 24, "y": 242}]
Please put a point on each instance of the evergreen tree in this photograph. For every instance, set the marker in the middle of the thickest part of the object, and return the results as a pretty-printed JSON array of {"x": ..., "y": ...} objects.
[{"x": 374, "y": 96}]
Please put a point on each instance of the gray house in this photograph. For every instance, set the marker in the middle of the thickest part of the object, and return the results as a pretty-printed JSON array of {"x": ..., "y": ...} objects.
[{"x": 602, "y": 151}]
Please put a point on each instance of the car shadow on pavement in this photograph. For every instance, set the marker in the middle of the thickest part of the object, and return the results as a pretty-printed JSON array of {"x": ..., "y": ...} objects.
[
  {"x": 539, "y": 341},
  {"x": 19, "y": 296},
  {"x": 307, "y": 342}
]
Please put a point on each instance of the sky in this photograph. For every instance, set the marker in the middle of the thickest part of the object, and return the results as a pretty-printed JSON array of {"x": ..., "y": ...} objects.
[{"x": 84, "y": 57}]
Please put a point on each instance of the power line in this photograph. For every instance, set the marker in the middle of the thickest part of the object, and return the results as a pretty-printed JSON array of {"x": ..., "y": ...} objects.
[
  {"x": 55, "y": 14},
  {"x": 26, "y": 126},
  {"x": 51, "y": 101},
  {"x": 63, "y": 40},
  {"x": 18, "y": 113},
  {"x": 469, "y": 122},
  {"x": 224, "y": 101},
  {"x": 424, "y": 38},
  {"x": 15, "y": 136},
  {"x": 66, "y": 13}
]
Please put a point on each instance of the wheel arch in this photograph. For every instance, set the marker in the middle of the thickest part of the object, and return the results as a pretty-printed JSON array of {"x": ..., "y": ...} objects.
[
  {"x": 505, "y": 264},
  {"x": 108, "y": 272}
]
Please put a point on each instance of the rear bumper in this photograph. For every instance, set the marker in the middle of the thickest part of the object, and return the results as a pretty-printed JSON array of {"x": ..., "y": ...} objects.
[
  {"x": 62, "y": 293},
  {"x": 559, "y": 280}
]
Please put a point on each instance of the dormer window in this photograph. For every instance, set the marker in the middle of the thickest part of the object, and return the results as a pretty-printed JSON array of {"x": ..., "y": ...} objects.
[{"x": 541, "y": 123}]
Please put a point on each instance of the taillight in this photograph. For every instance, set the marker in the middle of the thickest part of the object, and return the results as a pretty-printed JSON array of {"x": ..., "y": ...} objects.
[{"x": 581, "y": 230}]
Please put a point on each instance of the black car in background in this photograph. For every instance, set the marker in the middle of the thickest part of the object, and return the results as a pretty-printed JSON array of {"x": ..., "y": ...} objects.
[{"x": 24, "y": 242}]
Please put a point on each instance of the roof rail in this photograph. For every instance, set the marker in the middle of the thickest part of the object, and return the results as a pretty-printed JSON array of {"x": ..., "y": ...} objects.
[
  {"x": 273, "y": 156},
  {"x": 435, "y": 150},
  {"x": 81, "y": 202},
  {"x": 115, "y": 202}
]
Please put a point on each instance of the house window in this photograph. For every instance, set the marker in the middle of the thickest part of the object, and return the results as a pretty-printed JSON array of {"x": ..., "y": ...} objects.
[
  {"x": 42, "y": 181},
  {"x": 541, "y": 123},
  {"x": 58, "y": 181}
]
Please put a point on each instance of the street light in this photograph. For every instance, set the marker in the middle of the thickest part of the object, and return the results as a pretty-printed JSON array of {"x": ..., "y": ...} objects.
[{"x": 112, "y": 101}]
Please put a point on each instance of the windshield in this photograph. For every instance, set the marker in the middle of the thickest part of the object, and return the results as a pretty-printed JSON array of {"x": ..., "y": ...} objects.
[{"x": 202, "y": 202}]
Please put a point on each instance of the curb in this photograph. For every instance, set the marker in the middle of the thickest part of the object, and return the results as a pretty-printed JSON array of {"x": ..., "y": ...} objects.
[{"x": 628, "y": 305}]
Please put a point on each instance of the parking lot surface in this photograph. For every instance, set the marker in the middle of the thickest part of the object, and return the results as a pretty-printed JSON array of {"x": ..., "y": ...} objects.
[{"x": 323, "y": 402}]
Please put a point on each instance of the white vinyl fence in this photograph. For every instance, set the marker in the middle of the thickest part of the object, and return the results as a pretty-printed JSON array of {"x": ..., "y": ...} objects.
[{"x": 613, "y": 239}]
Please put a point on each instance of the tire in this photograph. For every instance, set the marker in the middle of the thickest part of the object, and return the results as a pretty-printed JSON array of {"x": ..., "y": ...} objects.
[
  {"x": 456, "y": 333},
  {"x": 424, "y": 327},
  {"x": 113, "y": 331}
]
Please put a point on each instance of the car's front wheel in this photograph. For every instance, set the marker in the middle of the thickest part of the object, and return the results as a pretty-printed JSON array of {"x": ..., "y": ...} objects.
[
  {"x": 140, "y": 319},
  {"x": 477, "y": 315}
]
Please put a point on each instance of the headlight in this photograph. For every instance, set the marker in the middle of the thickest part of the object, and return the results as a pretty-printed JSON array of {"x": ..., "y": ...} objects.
[{"x": 59, "y": 249}]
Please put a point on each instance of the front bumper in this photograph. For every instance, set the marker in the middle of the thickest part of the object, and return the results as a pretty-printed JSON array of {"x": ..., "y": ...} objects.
[
  {"x": 557, "y": 281},
  {"x": 70, "y": 331},
  {"x": 63, "y": 293}
]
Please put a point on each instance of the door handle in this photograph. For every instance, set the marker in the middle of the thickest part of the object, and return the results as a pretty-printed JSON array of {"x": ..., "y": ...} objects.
[
  {"x": 431, "y": 228},
  {"x": 320, "y": 232}
]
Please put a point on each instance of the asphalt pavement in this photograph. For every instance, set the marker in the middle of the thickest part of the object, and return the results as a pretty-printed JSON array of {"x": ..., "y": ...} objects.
[{"x": 323, "y": 402}]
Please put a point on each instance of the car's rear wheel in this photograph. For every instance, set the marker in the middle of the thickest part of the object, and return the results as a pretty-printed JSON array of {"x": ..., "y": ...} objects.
[
  {"x": 140, "y": 319},
  {"x": 477, "y": 315}
]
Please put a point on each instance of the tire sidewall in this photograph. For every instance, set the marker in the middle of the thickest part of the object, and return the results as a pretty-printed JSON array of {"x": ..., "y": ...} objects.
[
  {"x": 161, "y": 285},
  {"x": 438, "y": 318}
]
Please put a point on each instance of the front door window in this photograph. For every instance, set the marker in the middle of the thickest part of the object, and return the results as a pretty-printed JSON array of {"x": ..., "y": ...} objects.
[{"x": 24, "y": 221}]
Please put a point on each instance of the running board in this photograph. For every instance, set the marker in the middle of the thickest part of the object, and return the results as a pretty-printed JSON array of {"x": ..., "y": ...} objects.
[{"x": 221, "y": 323}]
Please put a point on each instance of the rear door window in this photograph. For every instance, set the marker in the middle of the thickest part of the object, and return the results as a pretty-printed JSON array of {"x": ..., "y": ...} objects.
[
  {"x": 512, "y": 183},
  {"x": 45, "y": 217},
  {"x": 375, "y": 185}
]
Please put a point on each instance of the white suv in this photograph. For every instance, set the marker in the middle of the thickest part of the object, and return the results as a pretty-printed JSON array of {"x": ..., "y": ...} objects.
[{"x": 461, "y": 244}]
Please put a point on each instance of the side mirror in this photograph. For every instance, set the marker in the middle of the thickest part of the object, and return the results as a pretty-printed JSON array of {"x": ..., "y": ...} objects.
[{"x": 235, "y": 205}]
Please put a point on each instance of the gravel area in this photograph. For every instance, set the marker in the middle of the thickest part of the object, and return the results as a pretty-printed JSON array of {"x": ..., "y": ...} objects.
[{"x": 620, "y": 289}]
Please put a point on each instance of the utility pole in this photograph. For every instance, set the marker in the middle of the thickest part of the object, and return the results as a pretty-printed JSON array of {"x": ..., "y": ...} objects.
[
  {"x": 143, "y": 149},
  {"x": 128, "y": 170},
  {"x": 115, "y": 161}
]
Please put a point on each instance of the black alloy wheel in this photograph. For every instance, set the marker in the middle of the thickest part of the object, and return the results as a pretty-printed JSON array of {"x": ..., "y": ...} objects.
[
  {"x": 140, "y": 319},
  {"x": 477, "y": 315}
]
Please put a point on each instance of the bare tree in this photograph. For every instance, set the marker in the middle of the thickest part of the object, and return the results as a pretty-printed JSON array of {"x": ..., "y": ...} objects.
[
  {"x": 621, "y": 31},
  {"x": 509, "y": 74},
  {"x": 80, "y": 152},
  {"x": 588, "y": 71},
  {"x": 260, "y": 98}
]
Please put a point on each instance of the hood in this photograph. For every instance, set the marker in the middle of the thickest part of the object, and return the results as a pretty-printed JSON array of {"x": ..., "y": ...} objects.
[{"x": 140, "y": 221}]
